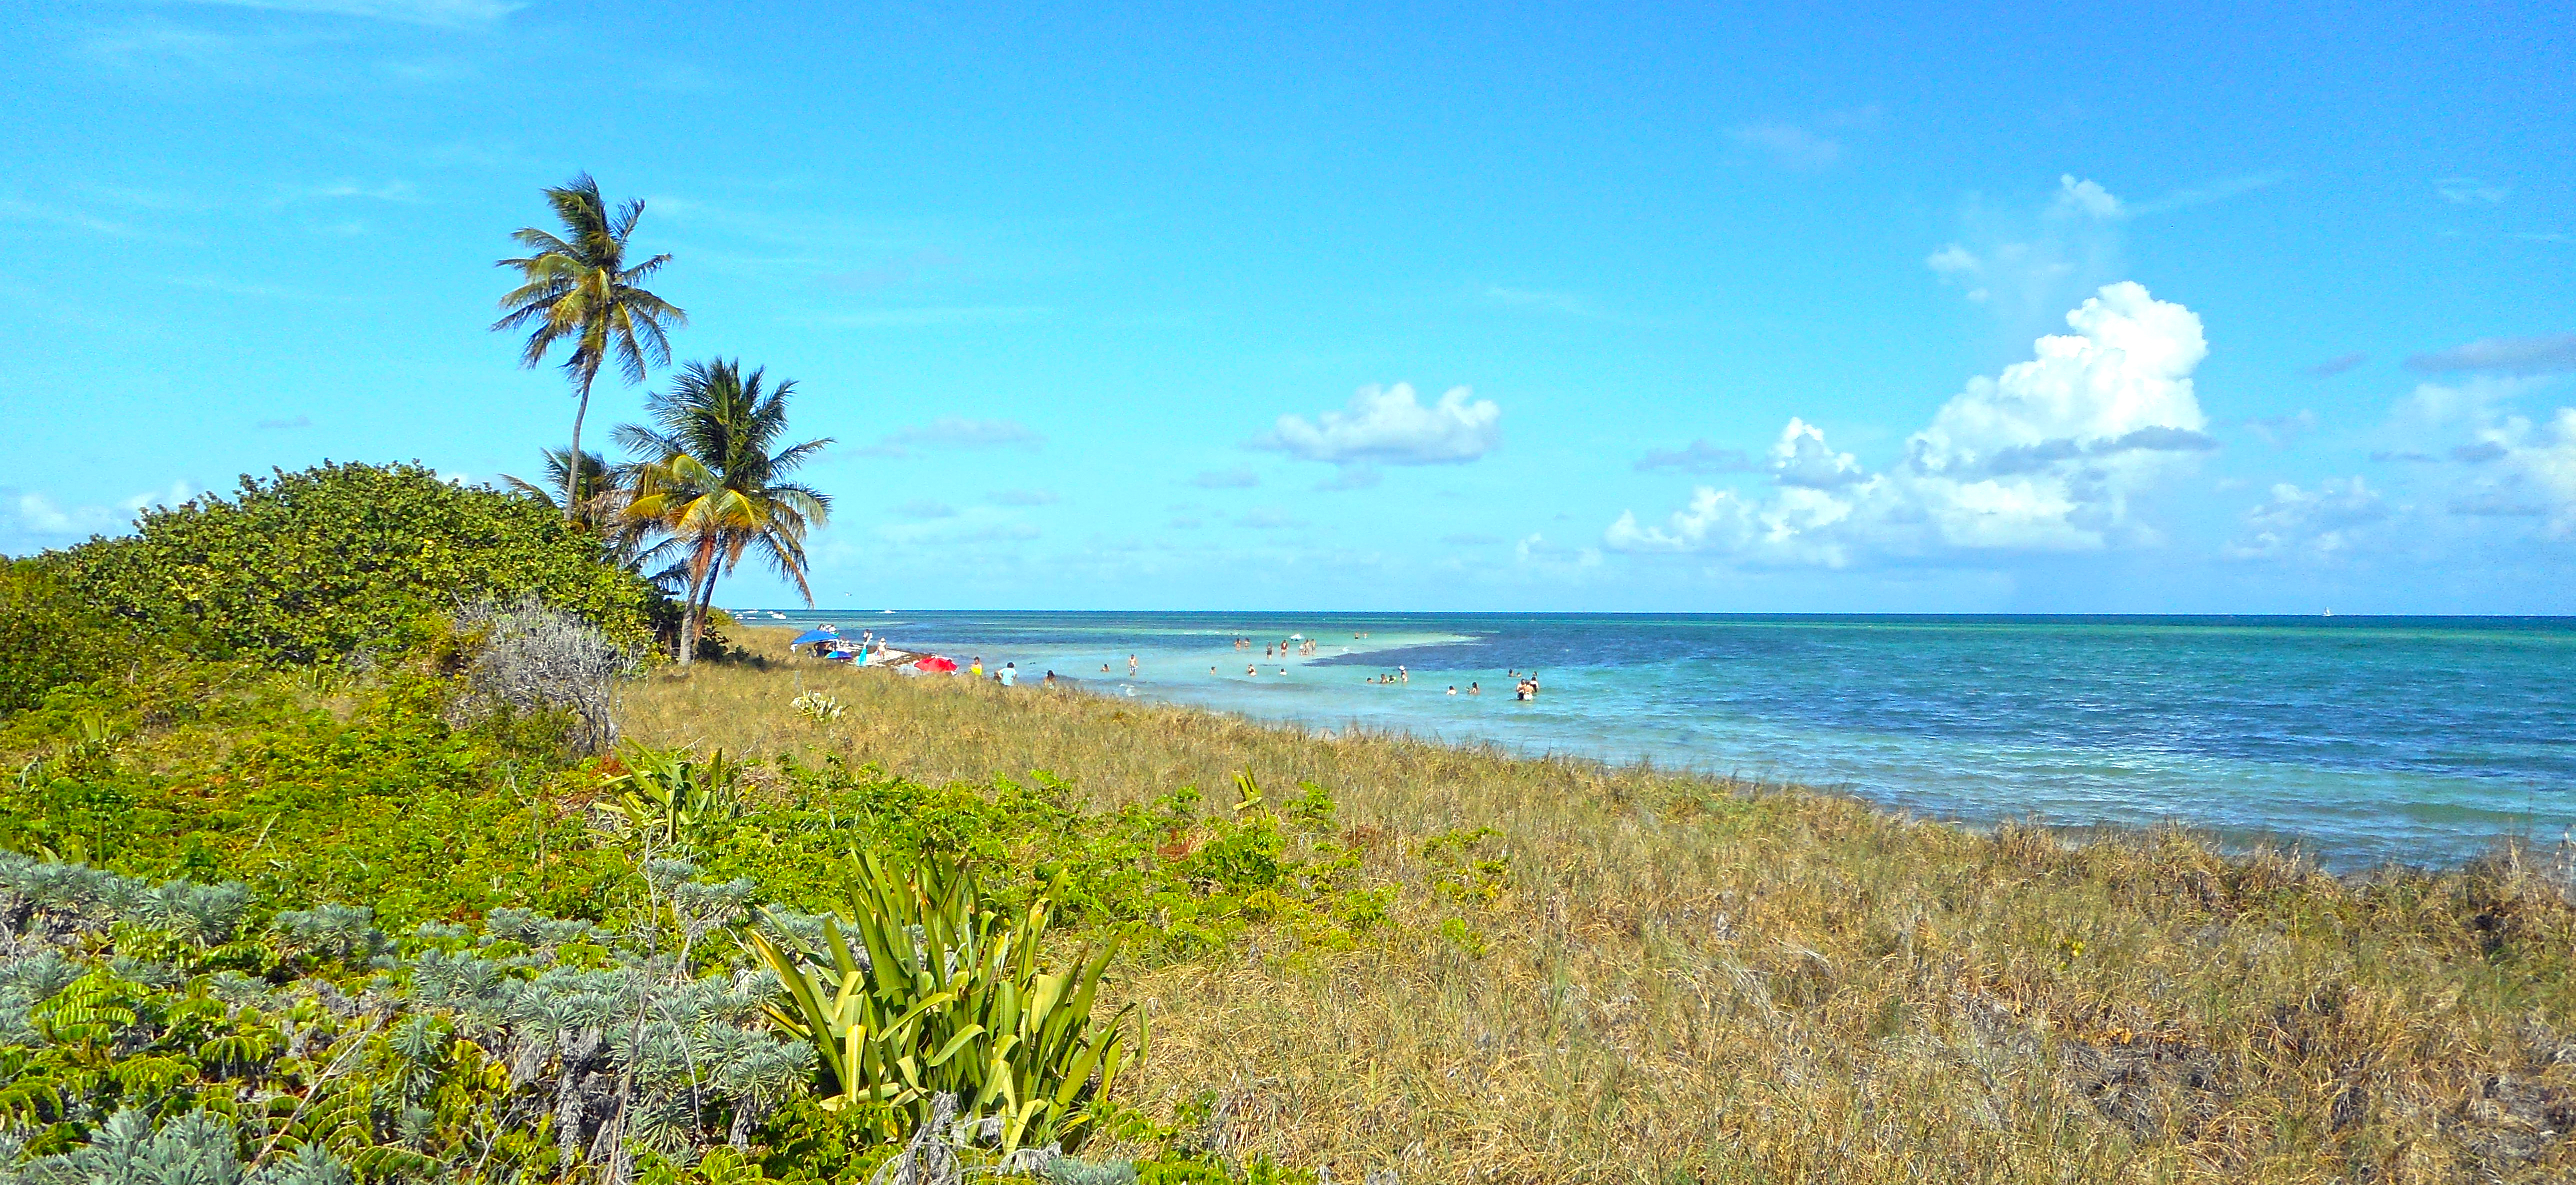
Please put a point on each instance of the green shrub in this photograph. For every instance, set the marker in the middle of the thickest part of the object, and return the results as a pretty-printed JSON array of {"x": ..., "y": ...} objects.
[
  {"x": 316, "y": 565},
  {"x": 50, "y": 637}
]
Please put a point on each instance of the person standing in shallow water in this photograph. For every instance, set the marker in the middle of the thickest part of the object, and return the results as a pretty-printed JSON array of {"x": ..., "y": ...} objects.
[{"x": 1131, "y": 666}]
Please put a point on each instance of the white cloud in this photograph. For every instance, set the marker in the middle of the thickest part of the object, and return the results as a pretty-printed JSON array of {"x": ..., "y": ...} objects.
[
  {"x": 1389, "y": 425},
  {"x": 2087, "y": 198},
  {"x": 2044, "y": 457},
  {"x": 2314, "y": 524},
  {"x": 446, "y": 13},
  {"x": 925, "y": 509},
  {"x": 1800, "y": 458},
  {"x": 32, "y": 521},
  {"x": 2518, "y": 466},
  {"x": 1025, "y": 498},
  {"x": 2027, "y": 267}
]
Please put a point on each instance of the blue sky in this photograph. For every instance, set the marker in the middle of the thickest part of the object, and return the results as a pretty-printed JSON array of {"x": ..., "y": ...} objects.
[{"x": 1393, "y": 307}]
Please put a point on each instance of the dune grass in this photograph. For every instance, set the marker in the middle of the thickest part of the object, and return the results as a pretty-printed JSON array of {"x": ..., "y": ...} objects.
[{"x": 1597, "y": 973}]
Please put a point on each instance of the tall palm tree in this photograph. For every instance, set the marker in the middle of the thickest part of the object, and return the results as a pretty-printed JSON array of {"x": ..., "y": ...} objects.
[
  {"x": 711, "y": 474},
  {"x": 577, "y": 288}
]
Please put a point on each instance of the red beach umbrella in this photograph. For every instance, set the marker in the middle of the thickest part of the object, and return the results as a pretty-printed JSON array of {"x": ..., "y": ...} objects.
[{"x": 936, "y": 665}]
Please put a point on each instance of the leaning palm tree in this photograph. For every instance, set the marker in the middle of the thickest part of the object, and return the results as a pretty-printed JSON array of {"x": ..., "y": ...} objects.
[
  {"x": 712, "y": 480},
  {"x": 577, "y": 288}
]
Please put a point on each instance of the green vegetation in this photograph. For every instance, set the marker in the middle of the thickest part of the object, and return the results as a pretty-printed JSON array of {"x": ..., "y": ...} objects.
[
  {"x": 368, "y": 919},
  {"x": 940, "y": 996},
  {"x": 316, "y": 566},
  {"x": 320, "y": 864},
  {"x": 51, "y": 636}
]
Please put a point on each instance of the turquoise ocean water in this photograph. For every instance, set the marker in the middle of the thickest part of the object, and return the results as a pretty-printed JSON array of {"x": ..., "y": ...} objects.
[{"x": 2362, "y": 740}]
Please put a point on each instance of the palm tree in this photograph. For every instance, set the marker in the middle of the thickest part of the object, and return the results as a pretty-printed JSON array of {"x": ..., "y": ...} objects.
[
  {"x": 595, "y": 499},
  {"x": 577, "y": 288},
  {"x": 712, "y": 476}
]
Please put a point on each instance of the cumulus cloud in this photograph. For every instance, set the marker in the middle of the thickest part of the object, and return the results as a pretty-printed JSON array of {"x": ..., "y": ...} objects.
[
  {"x": 955, "y": 433},
  {"x": 1389, "y": 425},
  {"x": 2043, "y": 457},
  {"x": 2552, "y": 354},
  {"x": 2313, "y": 524},
  {"x": 2477, "y": 454},
  {"x": 1699, "y": 456}
]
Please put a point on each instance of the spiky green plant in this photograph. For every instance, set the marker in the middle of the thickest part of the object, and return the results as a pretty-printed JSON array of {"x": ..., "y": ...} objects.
[
  {"x": 941, "y": 994},
  {"x": 673, "y": 796}
]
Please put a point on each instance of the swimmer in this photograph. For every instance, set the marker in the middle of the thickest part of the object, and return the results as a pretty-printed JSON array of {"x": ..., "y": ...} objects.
[
  {"x": 1131, "y": 666},
  {"x": 1403, "y": 676},
  {"x": 1475, "y": 689},
  {"x": 1453, "y": 689},
  {"x": 1250, "y": 671}
]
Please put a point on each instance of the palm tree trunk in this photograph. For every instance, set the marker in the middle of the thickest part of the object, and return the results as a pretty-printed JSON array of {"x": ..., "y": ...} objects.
[
  {"x": 572, "y": 467},
  {"x": 706, "y": 601},
  {"x": 701, "y": 575}
]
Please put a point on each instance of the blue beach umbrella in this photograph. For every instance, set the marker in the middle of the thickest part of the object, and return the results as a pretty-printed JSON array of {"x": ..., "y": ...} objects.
[{"x": 812, "y": 636}]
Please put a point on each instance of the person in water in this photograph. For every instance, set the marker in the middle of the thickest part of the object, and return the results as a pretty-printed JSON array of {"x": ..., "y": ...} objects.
[
  {"x": 1475, "y": 689},
  {"x": 1453, "y": 689},
  {"x": 1131, "y": 666}
]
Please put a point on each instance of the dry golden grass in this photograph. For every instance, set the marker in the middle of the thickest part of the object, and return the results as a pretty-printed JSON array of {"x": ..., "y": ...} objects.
[{"x": 1692, "y": 980}]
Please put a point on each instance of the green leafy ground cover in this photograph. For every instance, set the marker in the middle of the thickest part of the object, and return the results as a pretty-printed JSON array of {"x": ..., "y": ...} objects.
[{"x": 283, "y": 900}]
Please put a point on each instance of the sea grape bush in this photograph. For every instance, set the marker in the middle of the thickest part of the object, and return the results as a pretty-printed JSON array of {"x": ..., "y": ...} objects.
[{"x": 319, "y": 565}]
